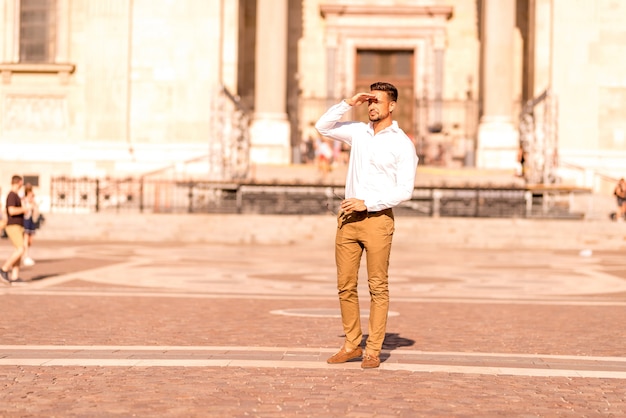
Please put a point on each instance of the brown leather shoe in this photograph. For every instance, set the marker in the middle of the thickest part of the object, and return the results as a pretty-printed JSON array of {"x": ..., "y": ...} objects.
[
  {"x": 342, "y": 355},
  {"x": 370, "y": 361}
]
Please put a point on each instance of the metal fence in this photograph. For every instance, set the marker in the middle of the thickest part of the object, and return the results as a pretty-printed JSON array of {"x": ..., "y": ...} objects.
[{"x": 141, "y": 195}]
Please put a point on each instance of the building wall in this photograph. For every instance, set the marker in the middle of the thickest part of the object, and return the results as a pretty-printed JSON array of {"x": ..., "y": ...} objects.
[
  {"x": 140, "y": 98},
  {"x": 142, "y": 94},
  {"x": 588, "y": 76},
  {"x": 462, "y": 55}
]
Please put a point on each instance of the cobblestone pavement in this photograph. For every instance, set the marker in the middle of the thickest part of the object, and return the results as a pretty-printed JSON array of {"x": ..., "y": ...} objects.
[{"x": 175, "y": 329}]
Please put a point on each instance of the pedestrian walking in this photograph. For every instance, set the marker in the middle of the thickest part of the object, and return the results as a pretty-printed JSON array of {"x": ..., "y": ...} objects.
[
  {"x": 381, "y": 174},
  {"x": 15, "y": 230}
]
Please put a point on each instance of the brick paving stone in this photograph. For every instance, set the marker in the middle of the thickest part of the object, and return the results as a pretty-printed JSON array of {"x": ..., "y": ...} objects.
[
  {"x": 235, "y": 392},
  {"x": 87, "y": 303}
]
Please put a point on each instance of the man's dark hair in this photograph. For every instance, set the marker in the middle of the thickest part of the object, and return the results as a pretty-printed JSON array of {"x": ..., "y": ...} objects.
[
  {"x": 16, "y": 179},
  {"x": 389, "y": 88}
]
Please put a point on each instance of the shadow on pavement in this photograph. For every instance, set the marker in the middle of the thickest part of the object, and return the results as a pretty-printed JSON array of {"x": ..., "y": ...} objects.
[
  {"x": 43, "y": 276},
  {"x": 48, "y": 268},
  {"x": 392, "y": 341}
]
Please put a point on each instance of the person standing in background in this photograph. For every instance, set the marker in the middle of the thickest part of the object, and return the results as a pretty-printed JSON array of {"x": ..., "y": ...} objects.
[
  {"x": 381, "y": 175},
  {"x": 324, "y": 156},
  {"x": 620, "y": 194},
  {"x": 31, "y": 223}
]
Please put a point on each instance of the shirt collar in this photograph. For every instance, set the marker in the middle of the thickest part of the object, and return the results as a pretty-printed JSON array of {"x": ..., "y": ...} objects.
[{"x": 393, "y": 127}]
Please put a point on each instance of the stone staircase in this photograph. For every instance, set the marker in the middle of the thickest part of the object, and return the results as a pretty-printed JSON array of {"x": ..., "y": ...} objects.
[{"x": 224, "y": 229}]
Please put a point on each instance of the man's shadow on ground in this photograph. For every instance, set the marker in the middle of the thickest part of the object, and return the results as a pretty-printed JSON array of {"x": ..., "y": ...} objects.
[{"x": 392, "y": 342}]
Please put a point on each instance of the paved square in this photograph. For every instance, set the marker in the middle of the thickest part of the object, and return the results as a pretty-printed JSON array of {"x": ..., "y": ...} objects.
[{"x": 179, "y": 329}]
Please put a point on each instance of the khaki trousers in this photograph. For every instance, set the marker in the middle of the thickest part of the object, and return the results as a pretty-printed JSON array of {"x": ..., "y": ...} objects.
[
  {"x": 372, "y": 232},
  {"x": 15, "y": 234}
]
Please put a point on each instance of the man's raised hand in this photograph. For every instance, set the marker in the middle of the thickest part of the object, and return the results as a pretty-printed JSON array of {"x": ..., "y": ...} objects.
[{"x": 360, "y": 98}]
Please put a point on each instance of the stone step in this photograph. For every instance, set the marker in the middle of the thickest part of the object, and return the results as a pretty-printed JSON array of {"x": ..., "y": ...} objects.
[{"x": 295, "y": 229}]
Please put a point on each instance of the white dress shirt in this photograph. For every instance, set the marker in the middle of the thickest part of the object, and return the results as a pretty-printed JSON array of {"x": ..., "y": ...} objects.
[{"x": 381, "y": 171}]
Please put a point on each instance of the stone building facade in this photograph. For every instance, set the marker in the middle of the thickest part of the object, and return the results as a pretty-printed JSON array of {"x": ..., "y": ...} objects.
[{"x": 207, "y": 88}]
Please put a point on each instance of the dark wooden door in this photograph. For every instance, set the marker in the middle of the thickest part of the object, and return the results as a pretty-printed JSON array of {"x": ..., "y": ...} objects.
[{"x": 392, "y": 66}]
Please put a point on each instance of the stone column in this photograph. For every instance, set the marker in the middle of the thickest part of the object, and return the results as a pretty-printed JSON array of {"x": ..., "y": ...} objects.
[
  {"x": 331, "y": 67},
  {"x": 439, "y": 53},
  {"x": 10, "y": 29},
  {"x": 497, "y": 137},
  {"x": 270, "y": 130}
]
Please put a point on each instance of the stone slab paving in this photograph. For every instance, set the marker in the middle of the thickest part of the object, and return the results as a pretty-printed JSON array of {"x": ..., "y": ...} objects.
[{"x": 179, "y": 329}]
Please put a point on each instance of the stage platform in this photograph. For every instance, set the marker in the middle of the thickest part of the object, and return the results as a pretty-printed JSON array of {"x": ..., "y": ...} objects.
[{"x": 427, "y": 176}]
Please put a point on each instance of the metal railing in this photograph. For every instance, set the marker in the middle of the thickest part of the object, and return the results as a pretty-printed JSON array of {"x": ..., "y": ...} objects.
[{"x": 85, "y": 195}]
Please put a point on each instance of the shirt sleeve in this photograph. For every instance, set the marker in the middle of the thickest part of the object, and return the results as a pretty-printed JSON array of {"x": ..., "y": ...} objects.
[
  {"x": 328, "y": 125},
  {"x": 13, "y": 200}
]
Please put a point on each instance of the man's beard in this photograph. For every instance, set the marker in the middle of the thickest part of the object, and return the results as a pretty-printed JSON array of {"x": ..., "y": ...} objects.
[{"x": 376, "y": 117}]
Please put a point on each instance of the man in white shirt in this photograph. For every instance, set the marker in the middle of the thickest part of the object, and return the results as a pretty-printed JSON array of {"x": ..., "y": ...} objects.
[{"x": 381, "y": 174}]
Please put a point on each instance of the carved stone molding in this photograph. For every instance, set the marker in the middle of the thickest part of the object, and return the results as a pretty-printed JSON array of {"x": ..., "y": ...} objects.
[
  {"x": 63, "y": 70},
  {"x": 358, "y": 9},
  {"x": 31, "y": 114}
]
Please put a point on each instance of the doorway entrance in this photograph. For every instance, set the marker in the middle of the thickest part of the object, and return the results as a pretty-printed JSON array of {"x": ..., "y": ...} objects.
[{"x": 392, "y": 66}]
